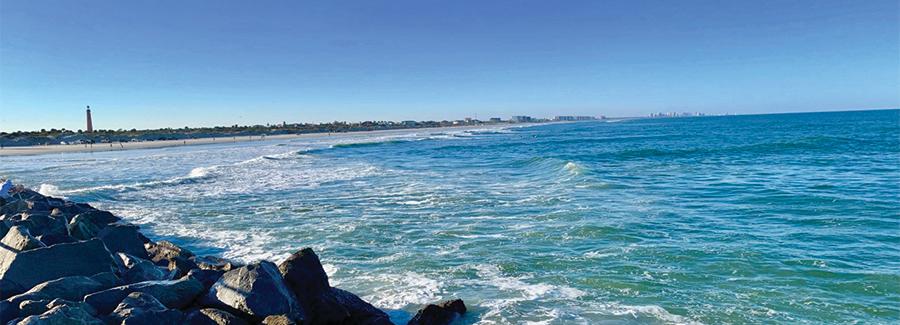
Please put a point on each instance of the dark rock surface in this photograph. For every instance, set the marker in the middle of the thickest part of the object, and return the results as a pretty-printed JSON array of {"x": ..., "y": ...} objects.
[
  {"x": 326, "y": 305},
  {"x": 134, "y": 269},
  {"x": 29, "y": 268},
  {"x": 207, "y": 277},
  {"x": 18, "y": 239},
  {"x": 442, "y": 313},
  {"x": 163, "y": 251},
  {"x": 255, "y": 291},
  {"x": 88, "y": 224},
  {"x": 62, "y": 315},
  {"x": 212, "y": 316},
  {"x": 123, "y": 238},
  {"x": 141, "y": 308},
  {"x": 173, "y": 294},
  {"x": 72, "y": 288}
]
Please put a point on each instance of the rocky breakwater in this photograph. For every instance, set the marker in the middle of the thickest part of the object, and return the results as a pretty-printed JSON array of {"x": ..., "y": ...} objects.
[{"x": 68, "y": 263}]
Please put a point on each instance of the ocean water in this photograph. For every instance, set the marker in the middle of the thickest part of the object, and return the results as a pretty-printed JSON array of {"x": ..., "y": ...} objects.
[{"x": 791, "y": 218}]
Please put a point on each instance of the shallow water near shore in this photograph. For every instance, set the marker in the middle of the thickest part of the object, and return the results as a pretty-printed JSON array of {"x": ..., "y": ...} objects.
[{"x": 789, "y": 218}]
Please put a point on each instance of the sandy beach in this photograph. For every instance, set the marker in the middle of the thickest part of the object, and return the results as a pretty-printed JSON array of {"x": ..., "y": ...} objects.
[{"x": 101, "y": 147}]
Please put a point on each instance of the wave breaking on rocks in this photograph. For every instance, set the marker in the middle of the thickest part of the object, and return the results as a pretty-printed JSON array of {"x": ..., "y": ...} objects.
[{"x": 63, "y": 262}]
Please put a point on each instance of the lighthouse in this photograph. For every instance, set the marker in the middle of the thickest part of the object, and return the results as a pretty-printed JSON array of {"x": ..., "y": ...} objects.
[{"x": 90, "y": 126}]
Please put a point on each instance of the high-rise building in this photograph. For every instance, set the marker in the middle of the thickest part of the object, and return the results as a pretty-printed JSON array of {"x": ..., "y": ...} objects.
[{"x": 90, "y": 125}]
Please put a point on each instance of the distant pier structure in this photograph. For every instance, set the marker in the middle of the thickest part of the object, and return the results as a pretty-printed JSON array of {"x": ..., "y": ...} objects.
[{"x": 90, "y": 125}]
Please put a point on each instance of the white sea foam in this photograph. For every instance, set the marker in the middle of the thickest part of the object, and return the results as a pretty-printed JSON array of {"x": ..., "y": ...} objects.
[
  {"x": 397, "y": 291},
  {"x": 50, "y": 190}
]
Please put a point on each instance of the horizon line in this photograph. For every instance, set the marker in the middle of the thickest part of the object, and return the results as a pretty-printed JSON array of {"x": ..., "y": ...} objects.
[{"x": 550, "y": 118}]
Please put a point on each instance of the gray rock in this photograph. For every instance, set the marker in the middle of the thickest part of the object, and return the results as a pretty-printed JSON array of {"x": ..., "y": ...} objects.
[
  {"x": 256, "y": 291},
  {"x": 51, "y": 239},
  {"x": 141, "y": 308},
  {"x": 43, "y": 224},
  {"x": 107, "y": 279},
  {"x": 14, "y": 207},
  {"x": 442, "y": 313},
  {"x": 8, "y": 311},
  {"x": 213, "y": 263},
  {"x": 139, "y": 270},
  {"x": 18, "y": 239},
  {"x": 175, "y": 294},
  {"x": 4, "y": 227},
  {"x": 303, "y": 272},
  {"x": 305, "y": 276},
  {"x": 62, "y": 315},
  {"x": 163, "y": 251},
  {"x": 123, "y": 238},
  {"x": 181, "y": 266},
  {"x": 361, "y": 312},
  {"x": 72, "y": 288},
  {"x": 87, "y": 225},
  {"x": 61, "y": 302},
  {"x": 207, "y": 277},
  {"x": 278, "y": 320},
  {"x": 29, "y": 268},
  {"x": 9, "y": 288},
  {"x": 212, "y": 316},
  {"x": 33, "y": 307}
]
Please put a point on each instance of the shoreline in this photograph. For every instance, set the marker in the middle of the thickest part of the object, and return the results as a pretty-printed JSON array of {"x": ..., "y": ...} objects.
[{"x": 124, "y": 146}]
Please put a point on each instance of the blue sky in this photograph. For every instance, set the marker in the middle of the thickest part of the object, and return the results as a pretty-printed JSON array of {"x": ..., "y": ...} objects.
[{"x": 146, "y": 64}]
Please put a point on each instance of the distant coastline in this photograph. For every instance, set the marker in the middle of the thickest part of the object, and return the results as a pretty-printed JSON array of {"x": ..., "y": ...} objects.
[{"x": 155, "y": 144}]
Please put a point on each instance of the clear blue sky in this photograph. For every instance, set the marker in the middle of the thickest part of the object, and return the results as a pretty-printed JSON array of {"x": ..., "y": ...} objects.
[{"x": 149, "y": 64}]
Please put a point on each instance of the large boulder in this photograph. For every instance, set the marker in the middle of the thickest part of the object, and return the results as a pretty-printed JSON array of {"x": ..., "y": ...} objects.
[
  {"x": 212, "y": 316},
  {"x": 207, "y": 277},
  {"x": 213, "y": 263},
  {"x": 8, "y": 311},
  {"x": 14, "y": 207},
  {"x": 361, "y": 312},
  {"x": 442, "y": 313},
  {"x": 89, "y": 224},
  {"x": 38, "y": 307},
  {"x": 175, "y": 294},
  {"x": 136, "y": 270},
  {"x": 255, "y": 291},
  {"x": 163, "y": 251},
  {"x": 123, "y": 238},
  {"x": 16, "y": 240},
  {"x": 29, "y": 268},
  {"x": 304, "y": 274},
  {"x": 62, "y": 315},
  {"x": 140, "y": 308},
  {"x": 72, "y": 288}
]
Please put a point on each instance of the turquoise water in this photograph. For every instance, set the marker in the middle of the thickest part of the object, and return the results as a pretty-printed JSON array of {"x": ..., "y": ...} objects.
[{"x": 791, "y": 218}]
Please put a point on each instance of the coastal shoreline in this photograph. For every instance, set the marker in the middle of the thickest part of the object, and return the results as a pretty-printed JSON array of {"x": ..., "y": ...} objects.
[{"x": 122, "y": 146}]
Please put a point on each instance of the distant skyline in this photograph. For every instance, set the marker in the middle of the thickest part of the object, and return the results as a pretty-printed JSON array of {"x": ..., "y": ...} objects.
[{"x": 204, "y": 63}]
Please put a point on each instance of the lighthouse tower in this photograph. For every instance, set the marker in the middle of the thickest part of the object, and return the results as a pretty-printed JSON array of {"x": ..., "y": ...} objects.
[{"x": 90, "y": 126}]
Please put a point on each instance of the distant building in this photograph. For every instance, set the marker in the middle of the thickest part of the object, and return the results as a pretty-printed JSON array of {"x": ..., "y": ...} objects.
[
  {"x": 496, "y": 120},
  {"x": 574, "y": 118},
  {"x": 409, "y": 123},
  {"x": 90, "y": 124},
  {"x": 522, "y": 118}
]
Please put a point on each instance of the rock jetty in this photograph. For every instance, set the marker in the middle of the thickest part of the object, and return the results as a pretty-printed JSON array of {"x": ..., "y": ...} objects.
[{"x": 68, "y": 263}]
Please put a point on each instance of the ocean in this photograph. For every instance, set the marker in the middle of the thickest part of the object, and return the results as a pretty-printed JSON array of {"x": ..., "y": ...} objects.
[{"x": 785, "y": 218}]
